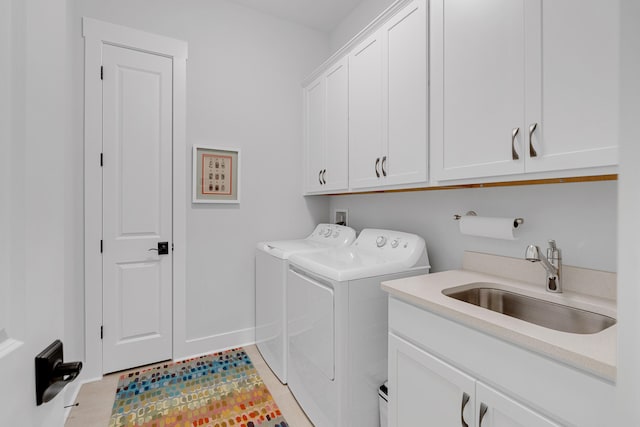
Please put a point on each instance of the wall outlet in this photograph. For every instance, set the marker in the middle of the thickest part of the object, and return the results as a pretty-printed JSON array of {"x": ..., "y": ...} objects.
[{"x": 341, "y": 216}]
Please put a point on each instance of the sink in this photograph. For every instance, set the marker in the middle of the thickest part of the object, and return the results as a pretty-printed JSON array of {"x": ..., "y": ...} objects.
[{"x": 544, "y": 313}]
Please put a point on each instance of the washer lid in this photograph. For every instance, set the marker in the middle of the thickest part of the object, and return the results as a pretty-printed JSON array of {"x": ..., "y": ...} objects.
[
  {"x": 367, "y": 257},
  {"x": 285, "y": 248},
  {"x": 324, "y": 236}
]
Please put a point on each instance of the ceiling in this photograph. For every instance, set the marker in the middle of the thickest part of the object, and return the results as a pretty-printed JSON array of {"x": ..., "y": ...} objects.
[{"x": 322, "y": 15}]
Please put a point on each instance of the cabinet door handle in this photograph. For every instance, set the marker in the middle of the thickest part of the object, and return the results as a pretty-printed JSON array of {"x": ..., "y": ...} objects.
[
  {"x": 384, "y": 164},
  {"x": 377, "y": 171},
  {"x": 324, "y": 181},
  {"x": 465, "y": 400},
  {"x": 320, "y": 177},
  {"x": 532, "y": 151},
  {"x": 483, "y": 411},
  {"x": 514, "y": 153}
]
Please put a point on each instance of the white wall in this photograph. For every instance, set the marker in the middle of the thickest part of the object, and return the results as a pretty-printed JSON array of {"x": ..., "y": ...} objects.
[
  {"x": 357, "y": 19},
  {"x": 5, "y": 156},
  {"x": 629, "y": 204},
  {"x": 581, "y": 217},
  {"x": 243, "y": 90}
]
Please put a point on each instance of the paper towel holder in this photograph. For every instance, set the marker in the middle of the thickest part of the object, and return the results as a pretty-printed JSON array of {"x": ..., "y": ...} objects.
[
  {"x": 457, "y": 217},
  {"x": 516, "y": 221}
]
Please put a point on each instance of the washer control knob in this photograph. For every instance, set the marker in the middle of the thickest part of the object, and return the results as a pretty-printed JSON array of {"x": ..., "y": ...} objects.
[
  {"x": 381, "y": 241},
  {"x": 327, "y": 232},
  {"x": 394, "y": 243}
]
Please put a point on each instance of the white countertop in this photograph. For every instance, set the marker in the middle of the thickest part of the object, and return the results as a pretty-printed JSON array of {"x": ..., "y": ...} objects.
[{"x": 594, "y": 353}]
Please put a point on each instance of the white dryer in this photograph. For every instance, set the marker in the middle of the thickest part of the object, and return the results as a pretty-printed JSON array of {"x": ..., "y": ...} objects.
[
  {"x": 337, "y": 328},
  {"x": 271, "y": 275}
]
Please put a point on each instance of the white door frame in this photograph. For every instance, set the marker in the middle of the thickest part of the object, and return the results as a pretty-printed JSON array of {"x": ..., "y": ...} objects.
[{"x": 96, "y": 34}]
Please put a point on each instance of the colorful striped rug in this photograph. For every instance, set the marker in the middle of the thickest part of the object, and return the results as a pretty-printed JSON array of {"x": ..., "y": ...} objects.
[{"x": 218, "y": 390}]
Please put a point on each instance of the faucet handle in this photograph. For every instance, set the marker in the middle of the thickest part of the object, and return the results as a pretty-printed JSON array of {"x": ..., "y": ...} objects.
[{"x": 553, "y": 253}]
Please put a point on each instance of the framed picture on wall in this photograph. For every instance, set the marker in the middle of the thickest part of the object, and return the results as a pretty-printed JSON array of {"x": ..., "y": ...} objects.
[{"x": 216, "y": 175}]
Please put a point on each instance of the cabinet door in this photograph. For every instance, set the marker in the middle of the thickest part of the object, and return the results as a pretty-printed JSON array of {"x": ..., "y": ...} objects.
[
  {"x": 405, "y": 77},
  {"x": 494, "y": 409},
  {"x": 477, "y": 74},
  {"x": 424, "y": 390},
  {"x": 336, "y": 153},
  {"x": 365, "y": 113},
  {"x": 314, "y": 95},
  {"x": 576, "y": 116}
]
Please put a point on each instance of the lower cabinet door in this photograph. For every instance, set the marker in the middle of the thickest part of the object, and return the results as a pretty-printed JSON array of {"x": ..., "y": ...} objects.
[
  {"x": 425, "y": 391},
  {"x": 494, "y": 409}
]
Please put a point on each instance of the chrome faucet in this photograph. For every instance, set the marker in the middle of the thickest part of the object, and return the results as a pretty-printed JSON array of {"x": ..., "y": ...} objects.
[{"x": 552, "y": 263}]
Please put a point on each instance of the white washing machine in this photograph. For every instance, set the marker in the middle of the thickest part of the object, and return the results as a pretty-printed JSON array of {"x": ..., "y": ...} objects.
[
  {"x": 337, "y": 328},
  {"x": 271, "y": 275}
]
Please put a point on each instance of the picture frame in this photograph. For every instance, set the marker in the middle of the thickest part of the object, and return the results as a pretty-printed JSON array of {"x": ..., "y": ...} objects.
[{"x": 216, "y": 174}]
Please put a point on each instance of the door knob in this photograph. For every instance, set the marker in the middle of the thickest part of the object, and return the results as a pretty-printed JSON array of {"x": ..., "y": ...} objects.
[{"x": 163, "y": 248}]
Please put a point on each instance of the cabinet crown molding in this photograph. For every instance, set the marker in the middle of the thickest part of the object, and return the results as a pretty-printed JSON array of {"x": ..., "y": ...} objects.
[{"x": 366, "y": 31}]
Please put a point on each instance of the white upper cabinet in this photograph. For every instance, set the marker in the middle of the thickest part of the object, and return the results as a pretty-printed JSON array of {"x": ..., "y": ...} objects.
[
  {"x": 405, "y": 49},
  {"x": 336, "y": 156},
  {"x": 365, "y": 113},
  {"x": 477, "y": 87},
  {"x": 523, "y": 86},
  {"x": 388, "y": 102},
  {"x": 326, "y": 105},
  {"x": 576, "y": 114},
  {"x": 314, "y": 100}
]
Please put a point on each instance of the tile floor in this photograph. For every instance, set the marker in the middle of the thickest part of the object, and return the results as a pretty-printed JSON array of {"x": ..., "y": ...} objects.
[{"x": 96, "y": 398}]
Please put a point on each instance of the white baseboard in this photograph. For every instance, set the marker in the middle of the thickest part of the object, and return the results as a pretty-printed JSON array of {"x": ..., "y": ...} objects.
[
  {"x": 72, "y": 391},
  {"x": 200, "y": 346}
]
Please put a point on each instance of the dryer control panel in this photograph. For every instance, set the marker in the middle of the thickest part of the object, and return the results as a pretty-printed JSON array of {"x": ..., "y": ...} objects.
[
  {"x": 391, "y": 245},
  {"x": 333, "y": 234}
]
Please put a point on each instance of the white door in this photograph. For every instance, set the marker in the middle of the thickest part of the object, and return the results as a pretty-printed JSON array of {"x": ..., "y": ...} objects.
[
  {"x": 365, "y": 113},
  {"x": 137, "y": 177},
  {"x": 35, "y": 242},
  {"x": 426, "y": 391},
  {"x": 311, "y": 335},
  {"x": 336, "y": 152},
  {"x": 494, "y": 409},
  {"x": 478, "y": 88},
  {"x": 405, "y": 51},
  {"x": 573, "y": 92},
  {"x": 314, "y": 99}
]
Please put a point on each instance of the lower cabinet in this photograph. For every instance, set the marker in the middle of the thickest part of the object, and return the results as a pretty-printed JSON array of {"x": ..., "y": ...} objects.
[{"x": 425, "y": 390}]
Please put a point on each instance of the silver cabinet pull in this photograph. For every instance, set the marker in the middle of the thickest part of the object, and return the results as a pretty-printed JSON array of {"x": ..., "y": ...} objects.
[
  {"x": 320, "y": 177},
  {"x": 324, "y": 181},
  {"x": 514, "y": 153},
  {"x": 483, "y": 411},
  {"x": 377, "y": 163},
  {"x": 532, "y": 151},
  {"x": 384, "y": 164},
  {"x": 465, "y": 400}
]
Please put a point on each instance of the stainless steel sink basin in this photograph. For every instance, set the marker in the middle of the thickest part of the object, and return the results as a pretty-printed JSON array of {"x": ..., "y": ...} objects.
[{"x": 533, "y": 310}]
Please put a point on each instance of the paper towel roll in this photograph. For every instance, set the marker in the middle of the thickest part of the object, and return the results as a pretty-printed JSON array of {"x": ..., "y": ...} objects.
[{"x": 495, "y": 228}]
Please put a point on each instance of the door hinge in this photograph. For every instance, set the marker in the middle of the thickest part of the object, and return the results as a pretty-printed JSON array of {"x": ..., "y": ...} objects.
[
  {"x": 100, "y": 246},
  {"x": 101, "y": 72},
  {"x": 101, "y": 332},
  {"x": 172, "y": 247},
  {"x": 101, "y": 159}
]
